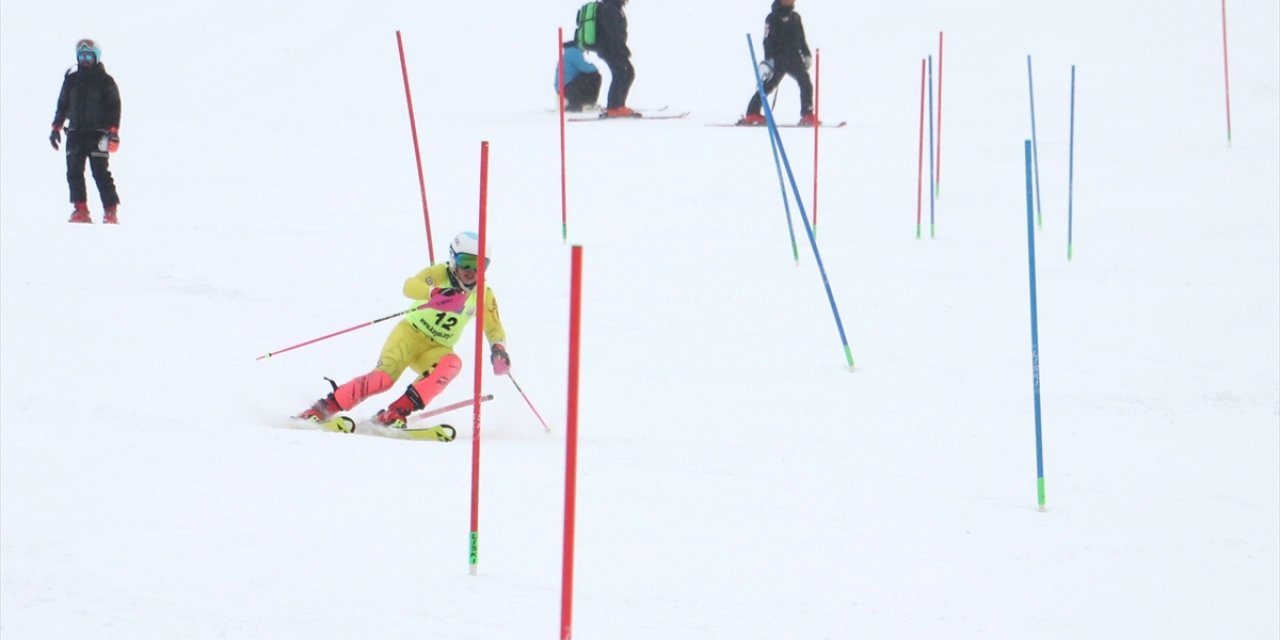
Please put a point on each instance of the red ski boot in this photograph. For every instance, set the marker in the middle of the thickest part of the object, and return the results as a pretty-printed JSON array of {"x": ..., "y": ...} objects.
[{"x": 81, "y": 214}]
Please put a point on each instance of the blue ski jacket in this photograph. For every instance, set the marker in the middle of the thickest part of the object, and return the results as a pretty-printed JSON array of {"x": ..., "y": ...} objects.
[{"x": 574, "y": 64}]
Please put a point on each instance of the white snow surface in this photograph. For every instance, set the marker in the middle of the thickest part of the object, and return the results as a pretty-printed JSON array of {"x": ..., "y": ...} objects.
[{"x": 735, "y": 480}]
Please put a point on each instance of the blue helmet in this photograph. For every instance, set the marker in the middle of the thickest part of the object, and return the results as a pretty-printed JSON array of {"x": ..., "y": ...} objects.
[{"x": 86, "y": 48}]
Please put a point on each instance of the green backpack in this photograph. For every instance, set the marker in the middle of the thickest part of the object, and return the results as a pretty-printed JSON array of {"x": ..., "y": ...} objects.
[{"x": 586, "y": 33}]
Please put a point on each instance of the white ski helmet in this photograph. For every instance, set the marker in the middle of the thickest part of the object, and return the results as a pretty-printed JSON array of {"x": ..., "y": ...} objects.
[{"x": 465, "y": 242}]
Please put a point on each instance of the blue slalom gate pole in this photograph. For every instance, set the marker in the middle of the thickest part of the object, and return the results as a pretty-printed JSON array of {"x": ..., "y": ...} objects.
[
  {"x": 795, "y": 190},
  {"x": 1035, "y": 330},
  {"x": 1071, "y": 160},
  {"x": 1035, "y": 145},
  {"x": 932, "y": 186},
  {"x": 782, "y": 186},
  {"x": 786, "y": 206}
]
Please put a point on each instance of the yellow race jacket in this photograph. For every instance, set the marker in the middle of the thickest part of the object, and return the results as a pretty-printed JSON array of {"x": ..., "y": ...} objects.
[{"x": 448, "y": 308}]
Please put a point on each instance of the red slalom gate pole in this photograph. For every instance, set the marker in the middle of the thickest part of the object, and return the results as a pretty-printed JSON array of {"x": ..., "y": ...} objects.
[
  {"x": 571, "y": 446},
  {"x": 817, "y": 92},
  {"x": 1226, "y": 70},
  {"x": 920, "y": 154},
  {"x": 564, "y": 194},
  {"x": 937, "y": 175},
  {"x": 417, "y": 154},
  {"x": 474, "y": 555}
]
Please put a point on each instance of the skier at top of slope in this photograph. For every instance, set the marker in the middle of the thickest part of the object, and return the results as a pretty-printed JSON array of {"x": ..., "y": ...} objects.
[
  {"x": 786, "y": 53},
  {"x": 611, "y": 46}
]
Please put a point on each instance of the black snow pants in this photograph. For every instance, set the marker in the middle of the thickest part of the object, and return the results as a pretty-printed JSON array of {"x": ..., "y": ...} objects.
[
  {"x": 623, "y": 73},
  {"x": 583, "y": 91},
  {"x": 83, "y": 145},
  {"x": 790, "y": 66}
]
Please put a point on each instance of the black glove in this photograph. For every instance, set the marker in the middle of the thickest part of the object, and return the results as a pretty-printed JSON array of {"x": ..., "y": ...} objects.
[
  {"x": 56, "y": 136},
  {"x": 501, "y": 361}
]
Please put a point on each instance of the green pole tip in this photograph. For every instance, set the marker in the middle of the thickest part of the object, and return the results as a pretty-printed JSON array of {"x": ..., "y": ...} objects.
[{"x": 1040, "y": 492}]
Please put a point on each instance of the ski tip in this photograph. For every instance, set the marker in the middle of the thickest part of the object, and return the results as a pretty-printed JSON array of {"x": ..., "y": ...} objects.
[{"x": 439, "y": 433}]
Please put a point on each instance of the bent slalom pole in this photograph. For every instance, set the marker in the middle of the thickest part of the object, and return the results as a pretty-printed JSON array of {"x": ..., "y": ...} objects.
[
  {"x": 782, "y": 185},
  {"x": 528, "y": 402},
  {"x": 449, "y": 407},
  {"x": 795, "y": 190},
  {"x": 338, "y": 333}
]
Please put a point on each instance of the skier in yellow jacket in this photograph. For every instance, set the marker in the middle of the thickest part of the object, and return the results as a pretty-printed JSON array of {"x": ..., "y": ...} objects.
[{"x": 424, "y": 340}]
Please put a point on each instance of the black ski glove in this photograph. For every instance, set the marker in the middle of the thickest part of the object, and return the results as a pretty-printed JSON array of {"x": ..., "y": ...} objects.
[{"x": 55, "y": 137}]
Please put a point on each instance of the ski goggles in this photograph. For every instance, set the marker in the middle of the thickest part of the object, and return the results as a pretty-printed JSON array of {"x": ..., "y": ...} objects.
[
  {"x": 88, "y": 48},
  {"x": 468, "y": 261}
]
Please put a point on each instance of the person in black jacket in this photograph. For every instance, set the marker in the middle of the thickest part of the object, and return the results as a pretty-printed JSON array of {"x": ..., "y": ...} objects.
[
  {"x": 611, "y": 46},
  {"x": 786, "y": 53},
  {"x": 90, "y": 100}
]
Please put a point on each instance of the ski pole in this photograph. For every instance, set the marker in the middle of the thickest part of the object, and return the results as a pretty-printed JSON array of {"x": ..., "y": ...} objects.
[
  {"x": 338, "y": 333},
  {"x": 449, "y": 407},
  {"x": 526, "y": 400}
]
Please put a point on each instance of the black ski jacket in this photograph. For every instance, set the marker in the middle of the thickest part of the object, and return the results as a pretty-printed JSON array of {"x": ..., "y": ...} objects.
[
  {"x": 784, "y": 34},
  {"x": 90, "y": 99},
  {"x": 611, "y": 30}
]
